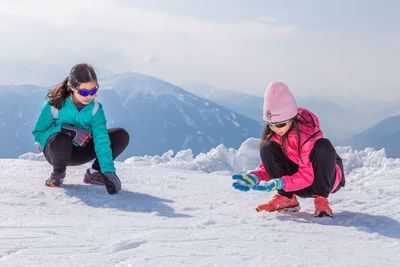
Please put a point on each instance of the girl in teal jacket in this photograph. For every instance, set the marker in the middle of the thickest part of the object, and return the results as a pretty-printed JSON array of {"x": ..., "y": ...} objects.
[{"x": 71, "y": 130}]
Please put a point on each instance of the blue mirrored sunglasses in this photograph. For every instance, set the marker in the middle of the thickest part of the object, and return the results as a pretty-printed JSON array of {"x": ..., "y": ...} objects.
[
  {"x": 83, "y": 92},
  {"x": 278, "y": 124}
]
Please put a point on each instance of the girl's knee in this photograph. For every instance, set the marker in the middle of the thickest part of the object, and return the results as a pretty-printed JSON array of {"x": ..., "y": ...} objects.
[
  {"x": 120, "y": 135},
  {"x": 125, "y": 135},
  {"x": 323, "y": 145}
]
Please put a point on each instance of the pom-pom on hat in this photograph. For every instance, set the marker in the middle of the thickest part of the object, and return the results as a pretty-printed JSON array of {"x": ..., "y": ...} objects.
[{"x": 279, "y": 103}]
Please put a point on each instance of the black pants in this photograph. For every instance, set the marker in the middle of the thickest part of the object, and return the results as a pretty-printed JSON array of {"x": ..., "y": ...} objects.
[
  {"x": 323, "y": 157},
  {"x": 60, "y": 152}
]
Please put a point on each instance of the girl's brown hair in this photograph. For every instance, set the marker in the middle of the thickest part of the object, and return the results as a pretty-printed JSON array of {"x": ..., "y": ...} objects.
[
  {"x": 299, "y": 119},
  {"x": 80, "y": 73}
]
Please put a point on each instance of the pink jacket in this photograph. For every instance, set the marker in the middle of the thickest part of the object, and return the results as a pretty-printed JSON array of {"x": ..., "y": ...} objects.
[{"x": 305, "y": 175}]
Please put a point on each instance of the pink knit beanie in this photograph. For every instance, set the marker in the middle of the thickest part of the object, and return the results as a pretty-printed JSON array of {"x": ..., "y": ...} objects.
[{"x": 279, "y": 103}]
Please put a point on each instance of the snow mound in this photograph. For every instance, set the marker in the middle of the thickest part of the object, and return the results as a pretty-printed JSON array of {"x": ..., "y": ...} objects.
[
  {"x": 32, "y": 156},
  {"x": 367, "y": 158},
  {"x": 247, "y": 158},
  {"x": 217, "y": 159}
]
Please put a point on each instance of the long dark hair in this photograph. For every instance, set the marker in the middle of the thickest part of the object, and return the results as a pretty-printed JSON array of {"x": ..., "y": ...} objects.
[
  {"x": 299, "y": 119},
  {"x": 80, "y": 73}
]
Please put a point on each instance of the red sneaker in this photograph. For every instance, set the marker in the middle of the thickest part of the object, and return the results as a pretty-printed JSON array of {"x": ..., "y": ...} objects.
[
  {"x": 280, "y": 203},
  {"x": 322, "y": 207}
]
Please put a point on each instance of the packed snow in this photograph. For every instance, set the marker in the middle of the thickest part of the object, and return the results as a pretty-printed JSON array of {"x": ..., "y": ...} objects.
[{"x": 181, "y": 210}]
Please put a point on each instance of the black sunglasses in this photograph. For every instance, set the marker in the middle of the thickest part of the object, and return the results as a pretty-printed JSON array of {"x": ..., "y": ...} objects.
[{"x": 278, "y": 124}]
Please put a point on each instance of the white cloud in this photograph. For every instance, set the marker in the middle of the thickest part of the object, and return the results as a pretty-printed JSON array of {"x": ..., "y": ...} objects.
[
  {"x": 108, "y": 15},
  {"x": 141, "y": 40}
]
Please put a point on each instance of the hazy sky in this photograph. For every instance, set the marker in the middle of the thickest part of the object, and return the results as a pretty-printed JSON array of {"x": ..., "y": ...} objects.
[{"x": 347, "y": 48}]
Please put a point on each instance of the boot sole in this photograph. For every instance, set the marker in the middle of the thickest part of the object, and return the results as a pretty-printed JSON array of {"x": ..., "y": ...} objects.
[
  {"x": 287, "y": 209},
  {"x": 98, "y": 184},
  {"x": 87, "y": 180},
  {"x": 55, "y": 184},
  {"x": 323, "y": 214}
]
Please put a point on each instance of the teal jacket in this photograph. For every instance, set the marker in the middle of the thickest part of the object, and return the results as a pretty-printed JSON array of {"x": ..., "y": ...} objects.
[{"x": 95, "y": 124}]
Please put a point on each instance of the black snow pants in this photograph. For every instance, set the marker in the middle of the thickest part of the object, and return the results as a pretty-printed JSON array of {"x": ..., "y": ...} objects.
[{"x": 61, "y": 152}]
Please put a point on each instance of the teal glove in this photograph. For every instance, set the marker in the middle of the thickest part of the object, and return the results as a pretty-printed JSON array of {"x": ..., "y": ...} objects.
[
  {"x": 245, "y": 181},
  {"x": 273, "y": 184}
]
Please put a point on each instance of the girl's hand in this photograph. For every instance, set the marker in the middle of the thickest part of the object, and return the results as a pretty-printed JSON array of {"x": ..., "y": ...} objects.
[
  {"x": 273, "y": 184},
  {"x": 245, "y": 181},
  {"x": 79, "y": 136},
  {"x": 112, "y": 182}
]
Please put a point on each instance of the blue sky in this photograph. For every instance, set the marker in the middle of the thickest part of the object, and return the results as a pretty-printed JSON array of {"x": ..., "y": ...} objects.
[{"x": 333, "y": 49}]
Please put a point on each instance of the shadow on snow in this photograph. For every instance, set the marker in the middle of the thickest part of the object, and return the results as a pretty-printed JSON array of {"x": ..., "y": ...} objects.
[
  {"x": 97, "y": 196},
  {"x": 379, "y": 224}
]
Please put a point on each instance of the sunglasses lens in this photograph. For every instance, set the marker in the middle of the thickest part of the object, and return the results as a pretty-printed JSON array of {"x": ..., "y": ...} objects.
[
  {"x": 86, "y": 93},
  {"x": 279, "y": 124}
]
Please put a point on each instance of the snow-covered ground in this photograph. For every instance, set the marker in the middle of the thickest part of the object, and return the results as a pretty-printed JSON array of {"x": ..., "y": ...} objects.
[{"x": 176, "y": 210}]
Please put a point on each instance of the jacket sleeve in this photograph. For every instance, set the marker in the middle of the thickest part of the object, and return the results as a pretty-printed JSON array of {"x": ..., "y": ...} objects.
[
  {"x": 261, "y": 173},
  {"x": 102, "y": 143},
  {"x": 44, "y": 126}
]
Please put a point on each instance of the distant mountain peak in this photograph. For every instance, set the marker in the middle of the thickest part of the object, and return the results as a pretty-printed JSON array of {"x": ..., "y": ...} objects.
[{"x": 130, "y": 84}]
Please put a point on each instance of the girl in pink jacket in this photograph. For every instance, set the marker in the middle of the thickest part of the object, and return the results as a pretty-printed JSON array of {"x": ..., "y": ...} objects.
[{"x": 296, "y": 159}]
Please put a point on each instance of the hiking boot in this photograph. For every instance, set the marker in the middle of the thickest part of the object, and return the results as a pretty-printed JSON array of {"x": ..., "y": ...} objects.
[
  {"x": 322, "y": 207},
  {"x": 56, "y": 179},
  {"x": 93, "y": 177},
  {"x": 280, "y": 203}
]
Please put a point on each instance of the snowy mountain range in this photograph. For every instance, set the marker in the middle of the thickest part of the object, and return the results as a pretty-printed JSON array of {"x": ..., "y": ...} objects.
[
  {"x": 158, "y": 115},
  {"x": 384, "y": 134},
  {"x": 161, "y": 116},
  {"x": 246, "y": 104},
  {"x": 19, "y": 109},
  {"x": 343, "y": 123},
  {"x": 252, "y": 106}
]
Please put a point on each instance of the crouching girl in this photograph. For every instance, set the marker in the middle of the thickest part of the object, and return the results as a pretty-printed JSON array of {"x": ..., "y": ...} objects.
[
  {"x": 296, "y": 158},
  {"x": 71, "y": 130}
]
